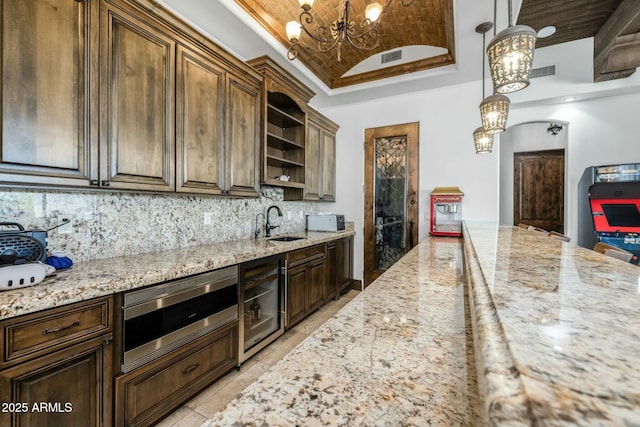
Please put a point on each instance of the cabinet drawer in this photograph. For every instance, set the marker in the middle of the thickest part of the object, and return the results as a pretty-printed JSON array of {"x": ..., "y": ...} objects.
[
  {"x": 36, "y": 334},
  {"x": 304, "y": 255},
  {"x": 145, "y": 395}
]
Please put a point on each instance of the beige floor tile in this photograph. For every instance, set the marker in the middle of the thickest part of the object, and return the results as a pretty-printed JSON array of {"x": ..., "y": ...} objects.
[{"x": 183, "y": 417}]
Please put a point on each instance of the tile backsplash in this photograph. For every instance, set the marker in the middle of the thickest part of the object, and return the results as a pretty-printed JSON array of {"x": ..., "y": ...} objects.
[{"x": 104, "y": 225}]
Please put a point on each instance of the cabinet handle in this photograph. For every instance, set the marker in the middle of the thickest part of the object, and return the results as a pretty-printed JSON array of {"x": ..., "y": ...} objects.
[
  {"x": 104, "y": 183},
  {"x": 93, "y": 182},
  {"x": 191, "y": 368},
  {"x": 62, "y": 328}
]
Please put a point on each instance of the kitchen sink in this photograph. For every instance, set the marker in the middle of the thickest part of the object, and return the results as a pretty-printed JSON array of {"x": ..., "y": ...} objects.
[{"x": 286, "y": 238}]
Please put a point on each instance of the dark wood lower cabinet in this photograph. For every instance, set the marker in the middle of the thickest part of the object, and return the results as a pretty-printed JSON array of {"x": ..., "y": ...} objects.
[
  {"x": 149, "y": 393},
  {"x": 70, "y": 387},
  {"x": 297, "y": 301},
  {"x": 305, "y": 282}
]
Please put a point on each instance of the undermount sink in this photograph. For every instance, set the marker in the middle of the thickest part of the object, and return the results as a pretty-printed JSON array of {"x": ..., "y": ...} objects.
[{"x": 286, "y": 238}]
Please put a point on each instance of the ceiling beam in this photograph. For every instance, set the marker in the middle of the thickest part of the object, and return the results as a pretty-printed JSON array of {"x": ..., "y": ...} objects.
[{"x": 616, "y": 50}]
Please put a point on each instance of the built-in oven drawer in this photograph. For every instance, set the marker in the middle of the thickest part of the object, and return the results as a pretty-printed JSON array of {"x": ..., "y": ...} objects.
[{"x": 161, "y": 318}]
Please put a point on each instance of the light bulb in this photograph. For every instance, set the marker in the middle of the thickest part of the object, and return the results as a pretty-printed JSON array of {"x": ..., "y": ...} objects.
[
  {"x": 293, "y": 31},
  {"x": 306, "y": 4},
  {"x": 373, "y": 11}
]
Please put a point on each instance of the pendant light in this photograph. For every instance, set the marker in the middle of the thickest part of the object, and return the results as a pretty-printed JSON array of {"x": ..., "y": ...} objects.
[
  {"x": 510, "y": 55},
  {"x": 483, "y": 140},
  {"x": 494, "y": 109}
]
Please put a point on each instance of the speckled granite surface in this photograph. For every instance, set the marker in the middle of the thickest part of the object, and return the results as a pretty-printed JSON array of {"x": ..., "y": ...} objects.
[
  {"x": 398, "y": 354},
  {"x": 556, "y": 328},
  {"x": 91, "y": 279}
]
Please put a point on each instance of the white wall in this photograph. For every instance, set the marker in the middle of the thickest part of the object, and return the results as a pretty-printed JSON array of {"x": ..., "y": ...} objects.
[
  {"x": 601, "y": 131},
  {"x": 523, "y": 138},
  {"x": 602, "y": 128},
  {"x": 447, "y": 118}
]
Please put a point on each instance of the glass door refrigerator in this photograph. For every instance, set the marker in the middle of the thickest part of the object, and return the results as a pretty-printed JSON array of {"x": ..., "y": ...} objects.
[{"x": 261, "y": 304}]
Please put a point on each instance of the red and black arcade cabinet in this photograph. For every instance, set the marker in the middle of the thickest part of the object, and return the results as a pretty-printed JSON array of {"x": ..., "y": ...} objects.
[{"x": 614, "y": 199}]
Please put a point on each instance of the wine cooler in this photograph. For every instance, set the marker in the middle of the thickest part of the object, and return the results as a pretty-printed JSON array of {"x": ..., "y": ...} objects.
[{"x": 261, "y": 304}]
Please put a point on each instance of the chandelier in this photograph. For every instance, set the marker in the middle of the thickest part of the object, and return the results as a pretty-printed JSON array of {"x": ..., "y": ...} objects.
[
  {"x": 363, "y": 36},
  {"x": 510, "y": 55}
]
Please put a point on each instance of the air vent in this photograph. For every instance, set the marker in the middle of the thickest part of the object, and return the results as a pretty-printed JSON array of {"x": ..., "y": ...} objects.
[
  {"x": 543, "y": 72},
  {"x": 396, "y": 55}
]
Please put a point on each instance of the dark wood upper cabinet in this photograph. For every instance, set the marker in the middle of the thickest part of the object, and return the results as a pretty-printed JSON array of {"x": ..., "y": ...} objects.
[
  {"x": 124, "y": 97},
  {"x": 200, "y": 123},
  {"x": 47, "y": 92},
  {"x": 243, "y": 136},
  {"x": 320, "y": 164},
  {"x": 137, "y": 102}
]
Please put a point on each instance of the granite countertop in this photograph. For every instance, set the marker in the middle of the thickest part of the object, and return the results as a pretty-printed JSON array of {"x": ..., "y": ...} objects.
[
  {"x": 91, "y": 279},
  {"x": 556, "y": 328},
  {"x": 398, "y": 354}
]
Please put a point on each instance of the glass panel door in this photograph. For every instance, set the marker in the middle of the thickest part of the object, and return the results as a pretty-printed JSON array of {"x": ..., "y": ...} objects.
[{"x": 390, "y": 203}]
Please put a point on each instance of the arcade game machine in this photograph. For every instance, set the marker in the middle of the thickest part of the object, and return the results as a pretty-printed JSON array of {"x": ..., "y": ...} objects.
[{"x": 614, "y": 201}]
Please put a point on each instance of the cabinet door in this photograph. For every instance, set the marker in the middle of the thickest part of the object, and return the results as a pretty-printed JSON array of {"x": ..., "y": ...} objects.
[
  {"x": 199, "y": 123},
  {"x": 297, "y": 301},
  {"x": 312, "y": 162},
  {"x": 47, "y": 48},
  {"x": 137, "y": 100},
  {"x": 316, "y": 284},
  {"x": 331, "y": 281},
  {"x": 71, "y": 387},
  {"x": 243, "y": 136},
  {"x": 345, "y": 263},
  {"x": 328, "y": 176}
]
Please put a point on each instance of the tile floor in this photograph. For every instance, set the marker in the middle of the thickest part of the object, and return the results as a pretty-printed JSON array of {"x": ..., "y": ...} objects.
[{"x": 208, "y": 402}]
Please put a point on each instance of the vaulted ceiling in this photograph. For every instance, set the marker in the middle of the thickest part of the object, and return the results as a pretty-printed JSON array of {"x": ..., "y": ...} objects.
[
  {"x": 615, "y": 25},
  {"x": 423, "y": 22}
]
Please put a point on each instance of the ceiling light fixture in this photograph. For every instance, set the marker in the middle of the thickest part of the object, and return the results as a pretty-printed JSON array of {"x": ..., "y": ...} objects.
[
  {"x": 510, "y": 56},
  {"x": 483, "y": 140},
  {"x": 341, "y": 30},
  {"x": 494, "y": 109}
]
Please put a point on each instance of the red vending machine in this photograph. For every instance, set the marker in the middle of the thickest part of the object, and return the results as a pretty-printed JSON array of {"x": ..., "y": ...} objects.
[{"x": 446, "y": 211}]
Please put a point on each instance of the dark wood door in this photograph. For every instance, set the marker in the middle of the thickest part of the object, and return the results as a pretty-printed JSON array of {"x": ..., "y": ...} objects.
[
  {"x": 297, "y": 301},
  {"x": 47, "y": 49},
  {"x": 243, "y": 136},
  {"x": 331, "y": 269},
  {"x": 199, "y": 123},
  {"x": 538, "y": 189},
  {"x": 391, "y": 206},
  {"x": 73, "y": 384},
  {"x": 137, "y": 102},
  {"x": 316, "y": 284}
]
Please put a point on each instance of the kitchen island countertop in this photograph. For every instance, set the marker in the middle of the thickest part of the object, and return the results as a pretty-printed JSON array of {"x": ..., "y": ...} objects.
[
  {"x": 398, "y": 354},
  {"x": 92, "y": 279},
  {"x": 554, "y": 342},
  {"x": 556, "y": 328}
]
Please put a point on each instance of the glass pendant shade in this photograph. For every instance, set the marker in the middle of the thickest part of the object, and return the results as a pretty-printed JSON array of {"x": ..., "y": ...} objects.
[
  {"x": 293, "y": 30},
  {"x": 306, "y": 4},
  {"x": 510, "y": 55},
  {"x": 494, "y": 111},
  {"x": 483, "y": 141},
  {"x": 373, "y": 11}
]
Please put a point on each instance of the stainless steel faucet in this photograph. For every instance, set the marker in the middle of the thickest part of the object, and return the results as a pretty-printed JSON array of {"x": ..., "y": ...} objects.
[{"x": 268, "y": 227}]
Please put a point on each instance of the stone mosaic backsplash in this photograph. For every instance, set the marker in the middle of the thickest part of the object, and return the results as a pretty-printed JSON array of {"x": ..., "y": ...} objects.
[{"x": 104, "y": 225}]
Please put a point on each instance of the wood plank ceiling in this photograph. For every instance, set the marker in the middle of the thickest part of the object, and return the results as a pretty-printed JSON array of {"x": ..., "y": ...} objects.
[
  {"x": 424, "y": 22},
  {"x": 614, "y": 24}
]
